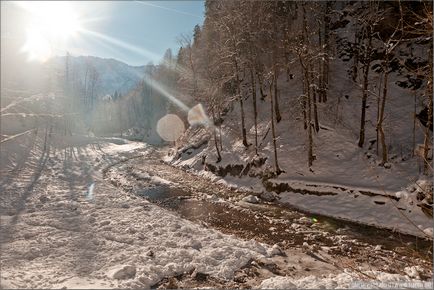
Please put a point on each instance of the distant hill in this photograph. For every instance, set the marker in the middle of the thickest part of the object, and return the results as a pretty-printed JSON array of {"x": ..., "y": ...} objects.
[{"x": 112, "y": 75}]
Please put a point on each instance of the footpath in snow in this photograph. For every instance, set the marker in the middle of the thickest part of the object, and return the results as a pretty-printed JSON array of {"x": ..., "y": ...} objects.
[{"x": 63, "y": 225}]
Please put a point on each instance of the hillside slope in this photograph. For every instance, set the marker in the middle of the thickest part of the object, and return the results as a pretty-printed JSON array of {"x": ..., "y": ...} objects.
[{"x": 341, "y": 171}]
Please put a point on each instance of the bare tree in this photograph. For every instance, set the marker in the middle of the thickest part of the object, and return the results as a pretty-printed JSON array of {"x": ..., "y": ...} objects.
[
  {"x": 277, "y": 169},
  {"x": 367, "y": 24},
  {"x": 389, "y": 46}
]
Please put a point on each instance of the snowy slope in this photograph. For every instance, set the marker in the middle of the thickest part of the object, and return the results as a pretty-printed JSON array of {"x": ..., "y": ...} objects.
[{"x": 339, "y": 161}]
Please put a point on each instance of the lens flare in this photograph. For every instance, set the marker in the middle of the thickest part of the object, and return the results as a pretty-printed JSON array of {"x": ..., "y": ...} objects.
[
  {"x": 119, "y": 43},
  {"x": 197, "y": 116},
  {"x": 170, "y": 127},
  {"x": 36, "y": 46},
  {"x": 49, "y": 25}
]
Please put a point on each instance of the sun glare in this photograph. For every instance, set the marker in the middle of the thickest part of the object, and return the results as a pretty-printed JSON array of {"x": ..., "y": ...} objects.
[{"x": 50, "y": 24}]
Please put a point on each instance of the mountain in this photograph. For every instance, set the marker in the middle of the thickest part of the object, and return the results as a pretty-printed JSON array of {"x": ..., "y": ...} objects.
[{"x": 111, "y": 75}]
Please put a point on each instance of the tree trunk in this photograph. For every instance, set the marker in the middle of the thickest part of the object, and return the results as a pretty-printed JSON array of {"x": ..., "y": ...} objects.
[
  {"x": 315, "y": 109},
  {"x": 414, "y": 125},
  {"x": 326, "y": 50},
  {"x": 255, "y": 110},
  {"x": 276, "y": 99},
  {"x": 367, "y": 61},
  {"x": 193, "y": 70},
  {"x": 355, "y": 58},
  {"x": 260, "y": 86},
  {"x": 305, "y": 81},
  {"x": 381, "y": 113},
  {"x": 303, "y": 104},
  {"x": 309, "y": 118},
  {"x": 321, "y": 66},
  {"x": 240, "y": 98},
  {"x": 273, "y": 132},
  {"x": 219, "y": 157},
  {"x": 428, "y": 139},
  {"x": 276, "y": 69},
  {"x": 378, "y": 116}
]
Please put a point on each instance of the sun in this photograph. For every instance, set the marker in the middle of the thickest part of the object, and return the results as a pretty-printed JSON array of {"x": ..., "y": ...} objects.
[{"x": 49, "y": 25}]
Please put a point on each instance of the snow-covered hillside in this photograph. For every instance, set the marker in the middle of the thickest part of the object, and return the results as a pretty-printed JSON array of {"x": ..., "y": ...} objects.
[
  {"x": 112, "y": 75},
  {"x": 345, "y": 181}
]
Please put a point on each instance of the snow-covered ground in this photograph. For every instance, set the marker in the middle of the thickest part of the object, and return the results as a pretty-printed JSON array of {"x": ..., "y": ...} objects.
[
  {"x": 66, "y": 236},
  {"x": 357, "y": 194},
  {"x": 66, "y": 226}
]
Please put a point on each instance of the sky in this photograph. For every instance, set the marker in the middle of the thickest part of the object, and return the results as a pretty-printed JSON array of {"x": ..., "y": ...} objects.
[{"x": 135, "y": 32}]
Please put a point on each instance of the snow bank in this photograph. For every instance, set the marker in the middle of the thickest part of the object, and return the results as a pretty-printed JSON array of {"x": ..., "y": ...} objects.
[{"x": 372, "y": 210}]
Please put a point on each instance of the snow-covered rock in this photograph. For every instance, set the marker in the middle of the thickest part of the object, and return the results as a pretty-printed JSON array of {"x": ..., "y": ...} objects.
[
  {"x": 251, "y": 199},
  {"x": 123, "y": 272},
  {"x": 277, "y": 283},
  {"x": 276, "y": 251},
  {"x": 412, "y": 271}
]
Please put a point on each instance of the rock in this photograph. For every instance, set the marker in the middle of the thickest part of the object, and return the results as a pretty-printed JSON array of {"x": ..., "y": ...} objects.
[
  {"x": 104, "y": 223},
  {"x": 196, "y": 245},
  {"x": 240, "y": 278},
  {"x": 305, "y": 220},
  {"x": 387, "y": 165},
  {"x": 172, "y": 284},
  {"x": 295, "y": 226},
  {"x": 251, "y": 199},
  {"x": 198, "y": 276},
  {"x": 268, "y": 196},
  {"x": 213, "y": 197},
  {"x": 150, "y": 254},
  {"x": 123, "y": 272},
  {"x": 276, "y": 251},
  {"x": 412, "y": 272},
  {"x": 377, "y": 248},
  {"x": 43, "y": 199}
]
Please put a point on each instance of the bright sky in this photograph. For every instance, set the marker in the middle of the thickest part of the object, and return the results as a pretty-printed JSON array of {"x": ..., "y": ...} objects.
[{"x": 135, "y": 32}]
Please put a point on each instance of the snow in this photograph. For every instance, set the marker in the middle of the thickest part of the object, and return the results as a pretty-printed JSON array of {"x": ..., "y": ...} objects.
[
  {"x": 112, "y": 240},
  {"x": 113, "y": 75},
  {"x": 64, "y": 238},
  {"x": 348, "y": 279},
  {"x": 345, "y": 181},
  {"x": 251, "y": 199},
  {"x": 379, "y": 211},
  {"x": 154, "y": 179}
]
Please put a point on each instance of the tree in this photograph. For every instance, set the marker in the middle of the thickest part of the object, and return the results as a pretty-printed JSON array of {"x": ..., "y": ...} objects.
[
  {"x": 389, "y": 46},
  {"x": 277, "y": 169},
  {"x": 196, "y": 35},
  {"x": 367, "y": 25}
]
